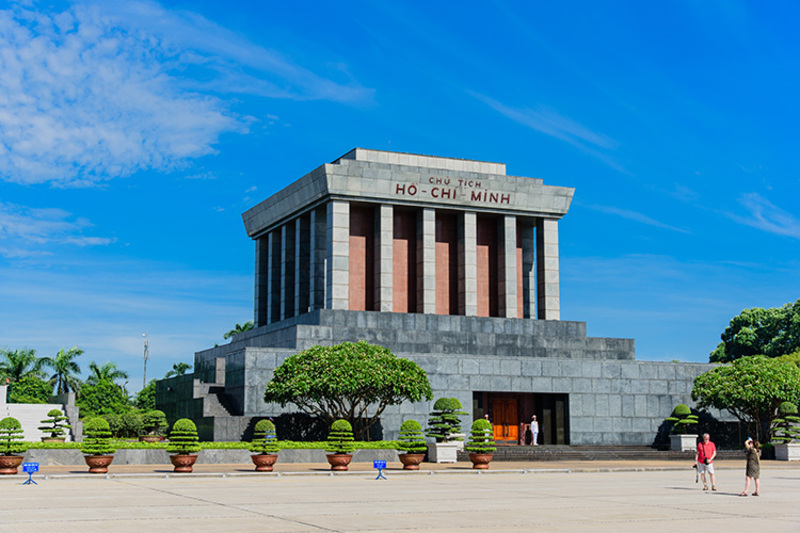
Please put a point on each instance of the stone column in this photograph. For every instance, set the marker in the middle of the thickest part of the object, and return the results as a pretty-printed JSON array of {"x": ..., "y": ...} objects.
[
  {"x": 468, "y": 264},
  {"x": 287, "y": 270},
  {"x": 384, "y": 294},
  {"x": 262, "y": 281},
  {"x": 426, "y": 261},
  {"x": 547, "y": 269},
  {"x": 507, "y": 265},
  {"x": 301, "y": 264},
  {"x": 318, "y": 236},
  {"x": 528, "y": 271},
  {"x": 274, "y": 275},
  {"x": 338, "y": 255}
]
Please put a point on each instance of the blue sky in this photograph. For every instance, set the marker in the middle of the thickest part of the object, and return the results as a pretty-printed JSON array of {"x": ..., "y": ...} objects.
[{"x": 133, "y": 136}]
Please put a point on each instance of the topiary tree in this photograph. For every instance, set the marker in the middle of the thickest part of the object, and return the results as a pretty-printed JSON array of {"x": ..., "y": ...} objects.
[
  {"x": 183, "y": 438},
  {"x": 787, "y": 427},
  {"x": 444, "y": 420},
  {"x": 266, "y": 441},
  {"x": 55, "y": 424},
  {"x": 682, "y": 418},
  {"x": 411, "y": 439},
  {"x": 340, "y": 438},
  {"x": 96, "y": 437},
  {"x": 350, "y": 381},
  {"x": 751, "y": 389},
  {"x": 154, "y": 422},
  {"x": 481, "y": 437},
  {"x": 10, "y": 435}
]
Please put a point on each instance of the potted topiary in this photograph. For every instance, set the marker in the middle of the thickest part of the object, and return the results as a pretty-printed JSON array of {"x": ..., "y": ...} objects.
[
  {"x": 264, "y": 446},
  {"x": 787, "y": 433},
  {"x": 412, "y": 442},
  {"x": 443, "y": 425},
  {"x": 10, "y": 447},
  {"x": 55, "y": 426},
  {"x": 96, "y": 445},
  {"x": 183, "y": 445},
  {"x": 682, "y": 419},
  {"x": 154, "y": 424},
  {"x": 481, "y": 444},
  {"x": 340, "y": 445}
]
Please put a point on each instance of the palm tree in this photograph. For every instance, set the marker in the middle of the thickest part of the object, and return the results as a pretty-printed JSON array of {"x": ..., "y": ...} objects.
[
  {"x": 239, "y": 328},
  {"x": 66, "y": 370},
  {"x": 106, "y": 372},
  {"x": 17, "y": 364},
  {"x": 178, "y": 369}
]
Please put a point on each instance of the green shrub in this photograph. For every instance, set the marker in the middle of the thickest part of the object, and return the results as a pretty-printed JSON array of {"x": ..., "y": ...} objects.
[
  {"x": 54, "y": 424},
  {"x": 183, "y": 438},
  {"x": 154, "y": 422},
  {"x": 125, "y": 424},
  {"x": 787, "y": 427},
  {"x": 681, "y": 419},
  {"x": 411, "y": 439},
  {"x": 444, "y": 420},
  {"x": 266, "y": 440},
  {"x": 30, "y": 389},
  {"x": 10, "y": 435},
  {"x": 481, "y": 437},
  {"x": 340, "y": 438},
  {"x": 96, "y": 437}
]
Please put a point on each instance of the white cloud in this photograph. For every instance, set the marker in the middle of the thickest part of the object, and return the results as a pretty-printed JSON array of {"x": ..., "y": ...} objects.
[
  {"x": 548, "y": 121},
  {"x": 104, "y": 89},
  {"x": 24, "y": 229},
  {"x": 766, "y": 216},
  {"x": 635, "y": 216}
]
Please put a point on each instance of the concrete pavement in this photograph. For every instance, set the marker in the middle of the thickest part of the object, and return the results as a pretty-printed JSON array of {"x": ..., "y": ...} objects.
[{"x": 631, "y": 497}]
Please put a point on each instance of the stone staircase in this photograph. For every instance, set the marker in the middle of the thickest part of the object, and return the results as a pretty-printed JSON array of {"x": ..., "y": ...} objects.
[{"x": 595, "y": 453}]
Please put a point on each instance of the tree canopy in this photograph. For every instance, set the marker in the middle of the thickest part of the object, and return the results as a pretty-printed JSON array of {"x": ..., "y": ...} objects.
[
  {"x": 66, "y": 370},
  {"x": 772, "y": 332},
  {"x": 751, "y": 389},
  {"x": 16, "y": 364},
  {"x": 239, "y": 328},
  {"x": 102, "y": 398},
  {"x": 178, "y": 369},
  {"x": 350, "y": 381},
  {"x": 106, "y": 372}
]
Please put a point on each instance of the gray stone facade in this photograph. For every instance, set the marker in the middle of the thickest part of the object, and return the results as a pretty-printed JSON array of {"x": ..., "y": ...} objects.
[{"x": 307, "y": 252}]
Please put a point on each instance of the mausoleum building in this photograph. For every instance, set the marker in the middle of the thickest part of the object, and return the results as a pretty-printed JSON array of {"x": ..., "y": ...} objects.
[{"x": 451, "y": 263}]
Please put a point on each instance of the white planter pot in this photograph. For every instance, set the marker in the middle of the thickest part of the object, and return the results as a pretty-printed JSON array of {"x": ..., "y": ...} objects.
[
  {"x": 442, "y": 452},
  {"x": 683, "y": 443},
  {"x": 787, "y": 452}
]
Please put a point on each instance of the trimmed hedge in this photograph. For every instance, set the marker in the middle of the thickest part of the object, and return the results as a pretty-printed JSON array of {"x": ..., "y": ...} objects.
[
  {"x": 96, "y": 437},
  {"x": 267, "y": 442},
  {"x": 54, "y": 424},
  {"x": 340, "y": 439},
  {"x": 411, "y": 439},
  {"x": 10, "y": 435},
  {"x": 183, "y": 438},
  {"x": 481, "y": 437}
]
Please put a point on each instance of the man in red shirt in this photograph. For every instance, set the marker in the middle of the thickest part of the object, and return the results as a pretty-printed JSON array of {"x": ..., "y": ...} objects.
[{"x": 704, "y": 460}]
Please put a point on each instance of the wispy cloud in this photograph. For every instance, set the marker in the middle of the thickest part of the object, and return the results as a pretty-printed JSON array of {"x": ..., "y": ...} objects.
[
  {"x": 548, "y": 121},
  {"x": 102, "y": 90},
  {"x": 24, "y": 229},
  {"x": 766, "y": 216},
  {"x": 635, "y": 216}
]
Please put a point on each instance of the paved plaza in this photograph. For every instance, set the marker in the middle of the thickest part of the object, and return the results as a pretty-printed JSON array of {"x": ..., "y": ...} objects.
[{"x": 630, "y": 497}]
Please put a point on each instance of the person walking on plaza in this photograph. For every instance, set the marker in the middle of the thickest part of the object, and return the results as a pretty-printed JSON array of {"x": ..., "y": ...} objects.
[
  {"x": 753, "y": 469},
  {"x": 704, "y": 460},
  {"x": 534, "y": 431}
]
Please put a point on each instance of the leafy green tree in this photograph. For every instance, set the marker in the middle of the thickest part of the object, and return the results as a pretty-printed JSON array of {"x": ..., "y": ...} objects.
[
  {"x": 350, "y": 381},
  {"x": 106, "y": 372},
  {"x": 30, "y": 389},
  {"x": 239, "y": 328},
  {"x": 772, "y": 332},
  {"x": 751, "y": 389},
  {"x": 793, "y": 358},
  {"x": 66, "y": 370},
  {"x": 146, "y": 398},
  {"x": 16, "y": 364},
  {"x": 178, "y": 369},
  {"x": 102, "y": 398}
]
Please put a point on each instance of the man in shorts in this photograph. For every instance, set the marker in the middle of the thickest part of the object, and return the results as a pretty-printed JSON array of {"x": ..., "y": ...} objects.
[{"x": 704, "y": 460}]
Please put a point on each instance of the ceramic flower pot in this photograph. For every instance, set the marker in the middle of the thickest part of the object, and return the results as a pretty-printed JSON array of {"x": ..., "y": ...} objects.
[
  {"x": 264, "y": 461},
  {"x": 98, "y": 464},
  {"x": 480, "y": 461},
  {"x": 411, "y": 461},
  {"x": 339, "y": 461},
  {"x": 10, "y": 463},
  {"x": 183, "y": 463}
]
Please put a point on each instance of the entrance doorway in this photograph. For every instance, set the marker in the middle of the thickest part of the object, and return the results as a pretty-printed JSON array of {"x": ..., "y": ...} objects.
[{"x": 510, "y": 412}]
